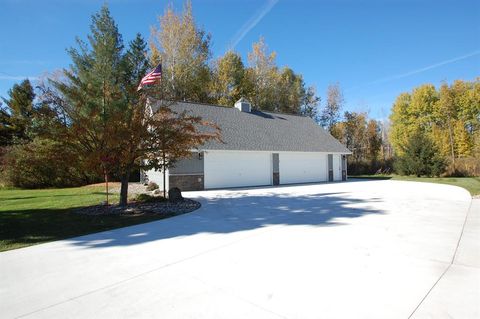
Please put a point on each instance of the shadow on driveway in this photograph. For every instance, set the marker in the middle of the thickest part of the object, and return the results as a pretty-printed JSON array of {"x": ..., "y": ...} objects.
[{"x": 233, "y": 211}]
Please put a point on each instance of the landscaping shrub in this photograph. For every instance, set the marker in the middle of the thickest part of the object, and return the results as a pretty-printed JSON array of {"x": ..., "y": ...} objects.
[
  {"x": 420, "y": 157},
  {"x": 468, "y": 166},
  {"x": 3, "y": 152},
  {"x": 152, "y": 186},
  {"x": 145, "y": 198},
  {"x": 43, "y": 163},
  {"x": 369, "y": 168}
]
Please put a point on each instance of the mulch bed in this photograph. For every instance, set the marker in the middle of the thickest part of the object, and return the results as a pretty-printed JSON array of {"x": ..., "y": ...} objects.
[{"x": 166, "y": 208}]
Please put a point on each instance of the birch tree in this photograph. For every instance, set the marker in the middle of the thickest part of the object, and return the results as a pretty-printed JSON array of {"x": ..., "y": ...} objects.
[
  {"x": 184, "y": 51},
  {"x": 330, "y": 114},
  {"x": 262, "y": 74}
]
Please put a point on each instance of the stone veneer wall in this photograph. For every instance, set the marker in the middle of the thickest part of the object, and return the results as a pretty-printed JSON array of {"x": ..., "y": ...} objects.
[{"x": 194, "y": 182}]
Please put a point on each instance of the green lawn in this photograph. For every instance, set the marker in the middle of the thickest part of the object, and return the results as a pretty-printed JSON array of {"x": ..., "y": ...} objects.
[
  {"x": 29, "y": 217},
  {"x": 472, "y": 184}
]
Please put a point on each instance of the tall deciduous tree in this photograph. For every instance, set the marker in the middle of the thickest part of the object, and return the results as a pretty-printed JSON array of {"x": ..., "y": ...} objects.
[
  {"x": 373, "y": 139},
  {"x": 129, "y": 126},
  {"x": 184, "y": 51},
  {"x": 450, "y": 116},
  {"x": 363, "y": 137},
  {"x": 228, "y": 78},
  {"x": 330, "y": 114},
  {"x": 411, "y": 113},
  {"x": 262, "y": 75},
  {"x": 355, "y": 127},
  {"x": 401, "y": 123},
  {"x": 290, "y": 91},
  {"x": 310, "y": 104},
  {"x": 272, "y": 89},
  {"x": 444, "y": 113},
  {"x": 172, "y": 136}
]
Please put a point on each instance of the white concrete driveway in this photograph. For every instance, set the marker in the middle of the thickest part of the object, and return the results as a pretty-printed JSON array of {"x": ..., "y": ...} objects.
[{"x": 369, "y": 249}]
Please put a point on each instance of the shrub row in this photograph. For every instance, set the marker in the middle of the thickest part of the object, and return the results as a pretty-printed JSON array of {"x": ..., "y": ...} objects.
[
  {"x": 43, "y": 163},
  {"x": 369, "y": 168}
]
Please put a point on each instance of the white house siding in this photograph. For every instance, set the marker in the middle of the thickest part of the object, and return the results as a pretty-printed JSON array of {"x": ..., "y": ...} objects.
[
  {"x": 303, "y": 167},
  {"x": 157, "y": 177},
  {"x": 236, "y": 169}
]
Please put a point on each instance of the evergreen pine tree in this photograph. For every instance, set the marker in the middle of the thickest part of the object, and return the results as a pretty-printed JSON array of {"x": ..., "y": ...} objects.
[
  {"x": 420, "y": 157},
  {"x": 93, "y": 95},
  {"x": 16, "y": 117}
]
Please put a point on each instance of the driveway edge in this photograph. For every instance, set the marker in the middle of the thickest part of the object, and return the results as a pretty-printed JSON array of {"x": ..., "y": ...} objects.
[{"x": 445, "y": 296}]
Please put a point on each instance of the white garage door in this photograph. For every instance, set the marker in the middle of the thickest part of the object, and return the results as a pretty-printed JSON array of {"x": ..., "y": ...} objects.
[
  {"x": 303, "y": 167},
  {"x": 236, "y": 169}
]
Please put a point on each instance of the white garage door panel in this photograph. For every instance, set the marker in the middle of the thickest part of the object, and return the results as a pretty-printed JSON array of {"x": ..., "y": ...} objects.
[
  {"x": 302, "y": 167},
  {"x": 236, "y": 169},
  {"x": 337, "y": 167}
]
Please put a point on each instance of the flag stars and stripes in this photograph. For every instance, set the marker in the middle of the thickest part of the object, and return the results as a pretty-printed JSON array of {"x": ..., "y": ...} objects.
[{"x": 151, "y": 77}]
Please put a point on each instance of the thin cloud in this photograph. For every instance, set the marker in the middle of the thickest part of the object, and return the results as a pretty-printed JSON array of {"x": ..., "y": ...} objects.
[
  {"x": 17, "y": 77},
  {"x": 420, "y": 70},
  {"x": 27, "y": 62},
  {"x": 251, "y": 23}
]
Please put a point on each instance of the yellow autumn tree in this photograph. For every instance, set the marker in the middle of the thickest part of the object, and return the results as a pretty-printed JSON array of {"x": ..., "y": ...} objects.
[
  {"x": 449, "y": 115},
  {"x": 184, "y": 51}
]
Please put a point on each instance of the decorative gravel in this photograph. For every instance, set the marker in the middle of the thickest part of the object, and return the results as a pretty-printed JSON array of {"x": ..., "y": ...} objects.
[{"x": 166, "y": 208}]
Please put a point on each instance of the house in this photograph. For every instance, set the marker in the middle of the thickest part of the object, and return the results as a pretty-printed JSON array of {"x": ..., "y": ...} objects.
[{"x": 259, "y": 148}]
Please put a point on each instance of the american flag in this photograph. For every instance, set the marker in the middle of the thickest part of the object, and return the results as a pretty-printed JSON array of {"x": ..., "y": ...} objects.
[{"x": 151, "y": 77}]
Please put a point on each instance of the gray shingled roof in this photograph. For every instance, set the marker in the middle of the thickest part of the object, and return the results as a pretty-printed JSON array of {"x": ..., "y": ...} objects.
[{"x": 262, "y": 131}]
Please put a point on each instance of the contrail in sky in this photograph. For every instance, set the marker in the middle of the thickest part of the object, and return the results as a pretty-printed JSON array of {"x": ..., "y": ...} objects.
[
  {"x": 17, "y": 77},
  {"x": 430, "y": 67},
  {"x": 251, "y": 23}
]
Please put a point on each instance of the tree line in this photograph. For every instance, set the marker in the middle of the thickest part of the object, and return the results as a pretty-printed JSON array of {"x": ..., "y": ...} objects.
[
  {"x": 366, "y": 138},
  {"x": 446, "y": 120},
  {"x": 430, "y": 132},
  {"x": 89, "y": 122},
  {"x": 190, "y": 74}
]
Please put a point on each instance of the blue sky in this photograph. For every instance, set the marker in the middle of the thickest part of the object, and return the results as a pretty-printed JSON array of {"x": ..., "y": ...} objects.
[{"x": 374, "y": 49}]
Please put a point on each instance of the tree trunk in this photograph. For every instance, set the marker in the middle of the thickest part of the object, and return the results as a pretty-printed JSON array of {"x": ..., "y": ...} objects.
[
  {"x": 106, "y": 183},
  {"x": 164, "y": 177},
  {"x": 124, "y": 188},
  {"x": 452, "y": 146}
]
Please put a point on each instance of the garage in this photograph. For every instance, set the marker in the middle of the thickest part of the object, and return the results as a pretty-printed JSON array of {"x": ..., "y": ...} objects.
[
  {"x": 256, "y": 148},
  {"x": 303, "y": 167},
  {"x": 237, "y": 169}
]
